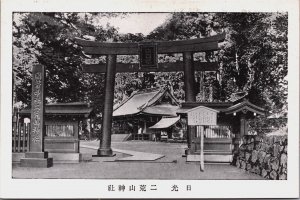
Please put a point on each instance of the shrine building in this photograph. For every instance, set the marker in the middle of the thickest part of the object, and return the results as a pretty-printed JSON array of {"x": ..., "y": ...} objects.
[{"x": 143, "y": 109}]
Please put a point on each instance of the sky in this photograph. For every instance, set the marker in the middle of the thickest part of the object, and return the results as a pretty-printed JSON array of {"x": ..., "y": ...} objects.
[
  {"x": 136, "y": 22},
  {"x": 129, "y": 23}
]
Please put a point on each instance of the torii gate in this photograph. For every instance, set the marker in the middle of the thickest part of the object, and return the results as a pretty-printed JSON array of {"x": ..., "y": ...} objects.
[{"x": 111, "y": 50}]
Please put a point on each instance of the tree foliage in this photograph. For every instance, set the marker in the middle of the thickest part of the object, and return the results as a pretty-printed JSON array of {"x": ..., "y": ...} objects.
[
  {"x": 48, "y": 39},
  {"x": 256, "y": 56},
  {"x": 253, "y": 57}
]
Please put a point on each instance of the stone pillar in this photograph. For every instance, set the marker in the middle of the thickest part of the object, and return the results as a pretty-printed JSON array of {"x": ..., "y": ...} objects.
[
  {"x": 105, "y": 141},
  {"x": 190, "y": 96},
  {"x": 36, "y": 157}
]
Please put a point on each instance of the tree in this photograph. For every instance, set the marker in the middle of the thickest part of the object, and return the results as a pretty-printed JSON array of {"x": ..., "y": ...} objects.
[
  {"x": 183, "y": 26},
  {"x": 256, "y": 56},
  {"x": 253, "y": 57},
  {"x": 48, "y": 39}
]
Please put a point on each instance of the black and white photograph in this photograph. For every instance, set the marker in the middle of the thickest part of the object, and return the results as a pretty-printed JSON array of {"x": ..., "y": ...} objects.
[{"x": 141, "y": 103}]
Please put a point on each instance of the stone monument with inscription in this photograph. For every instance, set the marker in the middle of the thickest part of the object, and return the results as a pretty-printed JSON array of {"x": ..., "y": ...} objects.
[{"x": 36, "y": 157}]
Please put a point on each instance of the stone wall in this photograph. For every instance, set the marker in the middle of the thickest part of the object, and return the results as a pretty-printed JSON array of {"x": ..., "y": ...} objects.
[{"x": 264, "y": 155}]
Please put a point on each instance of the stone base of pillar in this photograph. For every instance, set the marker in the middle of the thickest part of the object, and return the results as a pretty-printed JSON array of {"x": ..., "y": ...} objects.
[
  {"x": 36, "y": 159},
  {"x": 104, "y": 153}
]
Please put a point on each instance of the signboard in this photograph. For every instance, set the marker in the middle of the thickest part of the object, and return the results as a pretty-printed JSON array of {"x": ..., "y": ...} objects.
[
  {"x": 202, "y": 115},
  {"x": 148, "y": 55}
]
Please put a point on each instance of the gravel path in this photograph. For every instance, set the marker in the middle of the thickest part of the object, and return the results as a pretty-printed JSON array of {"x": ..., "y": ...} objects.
[{"x": 171, "y": 166}]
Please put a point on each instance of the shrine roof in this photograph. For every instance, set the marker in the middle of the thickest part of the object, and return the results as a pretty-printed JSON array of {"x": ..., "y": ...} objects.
[
  {"x": 244, "y": 105},
  {"x": 141, "y": 101},
  {"x": 223, "y": 107},
  {"x": 165, "y": 122},
  {"x": 219, "y": 106},
  {"x": 73, "y": 108},
  {"x": 166, "y": 109},
  {"x": 182, "y": 111}
]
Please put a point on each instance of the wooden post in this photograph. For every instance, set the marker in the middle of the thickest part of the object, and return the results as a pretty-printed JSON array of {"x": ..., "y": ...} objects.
[
  {"x": 14, "y": 129},
  {"x": 144, "y": 129},
  {"x": 202, "y": 148},
  {"x": 36, "y": 157},
  {"x": 189, "y": 84},
  {"x": 27, "y": 138},
  {"x": 24, "y": 137},
  {"x": 90, "y": 131},
  {"x": 19, "y": 137},
  {"x": 105, "y": 141}
]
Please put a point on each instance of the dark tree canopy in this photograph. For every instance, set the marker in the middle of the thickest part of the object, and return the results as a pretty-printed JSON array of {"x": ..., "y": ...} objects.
[{"x": 253, "y": 57}]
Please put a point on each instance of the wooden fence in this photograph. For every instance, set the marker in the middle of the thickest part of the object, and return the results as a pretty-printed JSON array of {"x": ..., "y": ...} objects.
[
  {"x": 215, "y": 132},
  {"x": 140, "y": 137},
  {"x": 20, "y": 137}
]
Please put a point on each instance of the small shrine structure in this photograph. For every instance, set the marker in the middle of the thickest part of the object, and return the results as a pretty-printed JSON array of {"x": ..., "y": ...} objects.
[
  {"x": 61, "y": 139},
  {"x": 221, "y": 141}
]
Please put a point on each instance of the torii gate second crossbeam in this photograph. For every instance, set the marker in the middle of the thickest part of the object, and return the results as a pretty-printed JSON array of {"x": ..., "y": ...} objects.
[{"x": 111, "y": 50}]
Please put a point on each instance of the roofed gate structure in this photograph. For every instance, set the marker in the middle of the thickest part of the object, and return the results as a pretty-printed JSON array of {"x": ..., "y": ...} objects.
[{"x": 221, "y": 141}]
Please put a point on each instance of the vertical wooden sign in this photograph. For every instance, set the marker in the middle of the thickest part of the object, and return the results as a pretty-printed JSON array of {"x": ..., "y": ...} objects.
[{"x": 37, "y": 109}]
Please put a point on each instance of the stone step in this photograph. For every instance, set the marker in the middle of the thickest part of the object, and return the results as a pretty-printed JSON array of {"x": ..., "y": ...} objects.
[
  {"x": 212, "y": 152},
  {"x": 214, "y": 158}
]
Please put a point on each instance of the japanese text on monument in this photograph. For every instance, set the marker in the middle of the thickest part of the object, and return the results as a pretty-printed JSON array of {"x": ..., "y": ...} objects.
[{"x": 37, "y": 100}]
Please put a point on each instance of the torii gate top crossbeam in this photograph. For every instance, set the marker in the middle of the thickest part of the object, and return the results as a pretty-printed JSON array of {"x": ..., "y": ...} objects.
[{"x": 114, "y": 48}]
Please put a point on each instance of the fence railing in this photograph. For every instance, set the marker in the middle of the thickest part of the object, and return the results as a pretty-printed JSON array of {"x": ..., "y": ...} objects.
[
  {"x": 215, "y": 131},
  {"x": 20, "y": 137},
  {"x": 140, "y": 137},
  {"x": 58, "y": 130}
]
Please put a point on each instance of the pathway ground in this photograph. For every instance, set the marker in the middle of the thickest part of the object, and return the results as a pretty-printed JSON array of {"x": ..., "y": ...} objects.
[{"x": 171, "y": 166}]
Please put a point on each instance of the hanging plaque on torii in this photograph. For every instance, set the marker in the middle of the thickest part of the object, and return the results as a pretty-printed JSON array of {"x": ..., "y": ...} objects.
[{"x": 148, "y": 55}]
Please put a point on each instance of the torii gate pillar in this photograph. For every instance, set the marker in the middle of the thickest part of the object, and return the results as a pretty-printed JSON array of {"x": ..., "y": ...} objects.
[
  {"x": 105, "y": 140},
  {"x": 189, "y": 84}
]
